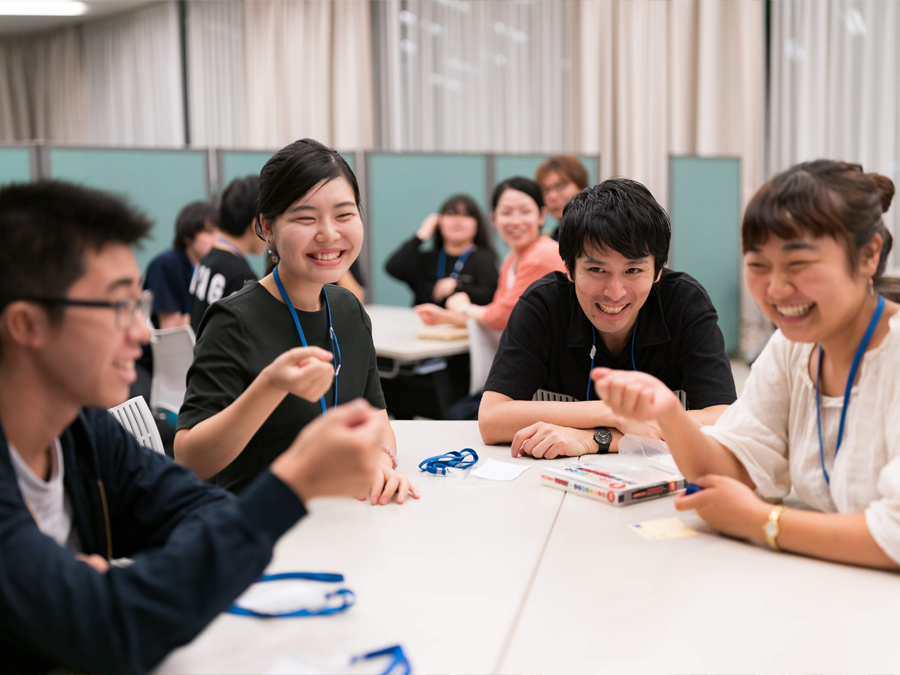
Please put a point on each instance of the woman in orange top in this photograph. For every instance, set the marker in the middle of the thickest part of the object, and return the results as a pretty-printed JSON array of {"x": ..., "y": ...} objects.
[{"x": 518, "y": 214}]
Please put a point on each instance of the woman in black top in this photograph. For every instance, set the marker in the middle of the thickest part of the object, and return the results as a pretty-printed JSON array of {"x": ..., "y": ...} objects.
[
  {"x": 252, "y": 387},
  {"x": 462, "y": 258}
]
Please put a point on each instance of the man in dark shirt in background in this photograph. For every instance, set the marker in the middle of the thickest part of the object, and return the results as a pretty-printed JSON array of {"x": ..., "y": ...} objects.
[{"x": 224, "y": 269}]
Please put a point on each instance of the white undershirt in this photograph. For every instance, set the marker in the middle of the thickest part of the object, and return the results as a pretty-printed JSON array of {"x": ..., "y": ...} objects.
[{"x": 47, "y": 499}]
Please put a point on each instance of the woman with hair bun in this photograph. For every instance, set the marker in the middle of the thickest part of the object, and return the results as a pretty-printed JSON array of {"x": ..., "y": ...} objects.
[
  {"x": 820, "y": 412},
  {"x": 282, "y": 351}
]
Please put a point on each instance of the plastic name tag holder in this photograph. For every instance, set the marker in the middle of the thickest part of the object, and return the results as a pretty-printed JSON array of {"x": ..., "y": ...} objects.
[{"x": 303, "y": 596}]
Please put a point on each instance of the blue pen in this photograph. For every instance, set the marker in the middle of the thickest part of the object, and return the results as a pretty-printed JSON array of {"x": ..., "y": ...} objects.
[{"x": 691, "y": 488}]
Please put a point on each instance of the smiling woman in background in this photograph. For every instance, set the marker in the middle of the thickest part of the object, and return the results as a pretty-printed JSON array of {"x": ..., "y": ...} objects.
[
  {"x": 462, "y": 259},
  {"x": 518, "y": 213}
]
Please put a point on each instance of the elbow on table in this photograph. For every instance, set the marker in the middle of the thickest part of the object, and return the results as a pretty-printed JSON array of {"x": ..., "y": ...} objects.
[{"x": 489, "y": 422}]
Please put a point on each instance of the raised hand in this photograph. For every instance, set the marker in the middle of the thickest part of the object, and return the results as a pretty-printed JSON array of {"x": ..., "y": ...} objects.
[
  {"x": 428, "y": 226},
  {"x": 306, "y": 372},
  {"x": 634, "y": 395}
]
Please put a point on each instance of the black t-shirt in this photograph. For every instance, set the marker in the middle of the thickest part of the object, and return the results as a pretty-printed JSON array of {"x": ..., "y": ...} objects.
[
  {"x": 477, "y": 278},
  {"x": 547, "y": 343},
  {"x": 219, "y": 274},
  {"x": 242, "y": 334}
]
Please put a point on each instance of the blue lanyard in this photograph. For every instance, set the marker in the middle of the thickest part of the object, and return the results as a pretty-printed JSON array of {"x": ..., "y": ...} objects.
[
  {"x": 450, "y": 460},
  {"x": 594, "y": 353},
  {"x": 457, "y": 268},
  {"x": 345, "y": 595},
  {"x": 335, "y": 347},
  {"x": 399, "y": 663},
  {"x": 847, "y": 389},
  {"x": 238, "y": 252}
]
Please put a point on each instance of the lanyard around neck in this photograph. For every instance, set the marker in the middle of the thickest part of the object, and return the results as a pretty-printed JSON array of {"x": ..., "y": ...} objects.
[
  {"x": 335, "y": 347},
  {"x": 229, "y": 245},
  {"x": 594, "y": 353},
  {"x": 457, "y": 268},
  {"x": 857, "y": 358}
]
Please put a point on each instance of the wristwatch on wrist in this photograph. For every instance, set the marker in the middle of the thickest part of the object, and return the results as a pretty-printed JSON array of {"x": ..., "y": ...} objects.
[
  {"x": 772, "y": 528},
  {"x": 603, "y": 438}
]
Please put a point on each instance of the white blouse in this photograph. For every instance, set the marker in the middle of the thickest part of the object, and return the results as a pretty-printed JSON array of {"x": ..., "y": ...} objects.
[{"x": 772, "y": 430}]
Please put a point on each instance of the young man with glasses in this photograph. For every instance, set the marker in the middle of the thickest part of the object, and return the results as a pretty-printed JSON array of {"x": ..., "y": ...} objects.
[{"x": 76, "y": 490}]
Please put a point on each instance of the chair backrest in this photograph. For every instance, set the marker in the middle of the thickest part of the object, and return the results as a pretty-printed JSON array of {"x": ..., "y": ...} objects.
[
  {"x": 173, "y": 352},
  {"x": 135, "y": 416},
  {"x": 483, "y": 343}
]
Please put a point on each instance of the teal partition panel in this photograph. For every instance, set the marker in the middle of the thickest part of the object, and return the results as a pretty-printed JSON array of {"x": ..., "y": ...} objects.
[
  {"x": 159, "y": 182},
  {"x": 15, "y": 165},
  {"x": 507, "y": 166},
  {"x": 403, "y": 189},
  {"x": 239, "y": 163},
  {"x": 705, "y": 210}
]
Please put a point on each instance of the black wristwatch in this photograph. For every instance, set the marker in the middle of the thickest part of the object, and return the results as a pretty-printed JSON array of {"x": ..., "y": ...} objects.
[{"x": 603, "y": 437}]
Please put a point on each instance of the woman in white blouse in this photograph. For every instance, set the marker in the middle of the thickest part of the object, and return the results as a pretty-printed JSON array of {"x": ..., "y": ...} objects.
[{"x": 815, "y": 247}]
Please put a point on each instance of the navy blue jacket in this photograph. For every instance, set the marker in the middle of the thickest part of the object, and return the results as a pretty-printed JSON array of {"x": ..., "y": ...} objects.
[{"x": 195, "y": 549}]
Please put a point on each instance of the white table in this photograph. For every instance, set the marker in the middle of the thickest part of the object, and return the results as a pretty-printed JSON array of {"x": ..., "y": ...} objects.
[
  {"x": 394, "y": 332},
  {"x": 443, "y": 576},
  {"x": 607, "y": 601},
  {"x": 481, "y": 577}
]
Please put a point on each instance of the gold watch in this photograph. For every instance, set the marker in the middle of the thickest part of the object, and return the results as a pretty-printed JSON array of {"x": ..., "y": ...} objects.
[{"x": 772, "y": 528}]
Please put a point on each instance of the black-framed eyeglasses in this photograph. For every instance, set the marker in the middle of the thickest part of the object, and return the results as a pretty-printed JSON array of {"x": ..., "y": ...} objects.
[{"x": 125, "y": 309}]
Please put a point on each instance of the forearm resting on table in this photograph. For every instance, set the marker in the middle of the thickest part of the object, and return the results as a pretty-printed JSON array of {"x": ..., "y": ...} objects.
[
  {"x": 213, "y": 444},
  {"x": 842, "y": 537},
  {"x": 500, "y": 417},
  {"x": 697, "y": 454}
]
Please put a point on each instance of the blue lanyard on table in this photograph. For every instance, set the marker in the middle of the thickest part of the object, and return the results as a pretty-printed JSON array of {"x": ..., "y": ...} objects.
[
  {"x": 450, "y": 460},
  {"x": 587, "y": 396},
  {"x": 345, "y": 595},
  {"x": 399, "y": 664},
  {"x": 857, "y": 358},
  {"x": 227, "y": 244},
  {"x": 457, "y": 268},
  {"x": 335, "y": 347}
]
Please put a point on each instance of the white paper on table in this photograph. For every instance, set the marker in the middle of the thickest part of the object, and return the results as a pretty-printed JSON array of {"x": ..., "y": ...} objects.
[
  {"x": 289, "y": 595},
  {"x": 494, "y": 470}
]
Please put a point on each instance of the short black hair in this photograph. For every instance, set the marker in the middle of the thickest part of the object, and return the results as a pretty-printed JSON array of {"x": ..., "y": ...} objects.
[
  {"x": 522, "y": 184},
  {"x": 237, "y": 209},
  {"x": 191, "y": 221},
  {"x": 619, "y": 214},
  {"x": 45, "y": 229}
]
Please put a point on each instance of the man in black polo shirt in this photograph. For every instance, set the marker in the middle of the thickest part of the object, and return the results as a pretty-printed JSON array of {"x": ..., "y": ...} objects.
[
  {"x": 224, "y": 269},
  {"x": 617, "y": 308}
]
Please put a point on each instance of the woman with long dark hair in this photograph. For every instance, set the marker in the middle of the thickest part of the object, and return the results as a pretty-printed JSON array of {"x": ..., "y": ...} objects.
[
  {"x": 461, "y": 259},
  {"x": 273, "y": 356}
]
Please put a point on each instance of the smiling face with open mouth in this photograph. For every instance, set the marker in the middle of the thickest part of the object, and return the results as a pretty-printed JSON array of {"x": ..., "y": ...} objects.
[
  {"x": 804, "y": 286},
  {"x": 320, "y": 235},
  {"x": 611, "y": 290}
]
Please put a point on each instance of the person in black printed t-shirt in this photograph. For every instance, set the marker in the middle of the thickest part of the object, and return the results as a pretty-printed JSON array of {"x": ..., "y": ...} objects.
[
  {"x": 224, "y": 270},
  {"x": 277, "y": 354},
  {"x": 618, "y": 307}
]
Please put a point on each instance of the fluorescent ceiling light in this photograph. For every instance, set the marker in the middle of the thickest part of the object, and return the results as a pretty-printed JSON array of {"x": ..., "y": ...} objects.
[{"x": 41, "y": 8}]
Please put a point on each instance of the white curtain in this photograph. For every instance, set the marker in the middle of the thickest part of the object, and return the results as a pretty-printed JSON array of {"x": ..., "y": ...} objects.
[
  {"x": 215, "y": 70},
  {"x": 661, "y": 78},
  {"x": 465, "y": 75},
  {"x": 834, "y": 88},
  {"x": 133, "y": 78},
  {"x": 41, "y": 88},
  {"x": 308, "y": 72}
]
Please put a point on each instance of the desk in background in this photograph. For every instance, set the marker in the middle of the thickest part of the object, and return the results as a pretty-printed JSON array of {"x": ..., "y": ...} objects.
[
  {"x": 407, "y": 364},
  {"x": 488, "y": 577}
]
